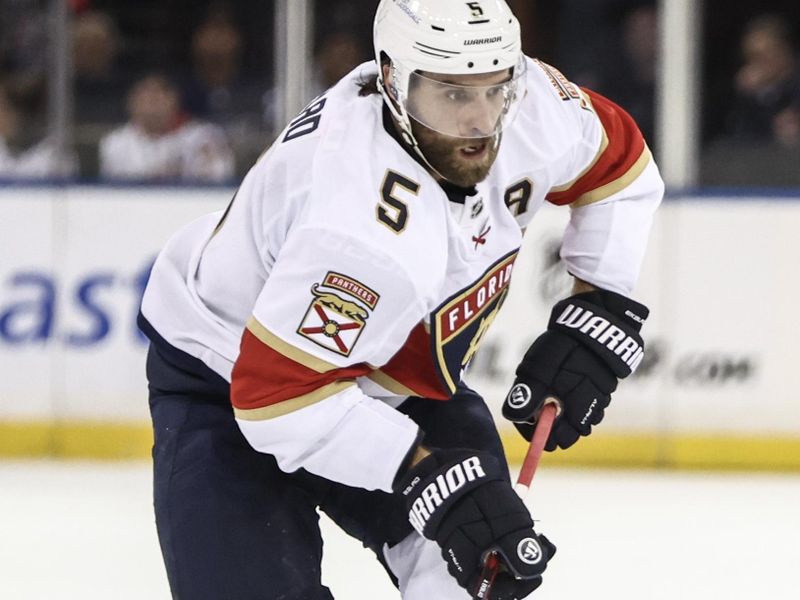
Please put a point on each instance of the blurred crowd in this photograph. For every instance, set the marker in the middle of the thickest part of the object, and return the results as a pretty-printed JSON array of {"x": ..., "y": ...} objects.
[
  {"x": 182, "y": 91},
  {"x": 154, "y": 97},
  {"x": 767, "y": 85}
]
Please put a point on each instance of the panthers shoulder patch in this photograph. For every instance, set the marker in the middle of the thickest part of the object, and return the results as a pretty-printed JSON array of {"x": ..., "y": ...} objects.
[{"x": 335, "y": 319}]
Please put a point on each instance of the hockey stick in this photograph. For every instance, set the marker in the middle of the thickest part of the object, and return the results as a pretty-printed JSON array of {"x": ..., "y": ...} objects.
[{"x": 491, "y": 565}]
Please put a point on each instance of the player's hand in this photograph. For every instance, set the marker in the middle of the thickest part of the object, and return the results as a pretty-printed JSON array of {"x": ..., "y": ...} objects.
[
  {"x": 591, "y": 342},
  {"x": 462, "y": 499}
]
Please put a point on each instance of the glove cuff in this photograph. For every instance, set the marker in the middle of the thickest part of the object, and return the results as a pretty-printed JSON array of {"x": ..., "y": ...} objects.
[
  {"x": 607, "y": 323},
  {"x": 405, "y": 465},
  {"x": 634, "y": 313}
]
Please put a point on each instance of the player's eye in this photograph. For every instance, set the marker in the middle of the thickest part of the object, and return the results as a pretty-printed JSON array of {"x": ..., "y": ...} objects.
[
  {"x": 457, "y": 95},
  {"x": 494, "y": 92}
]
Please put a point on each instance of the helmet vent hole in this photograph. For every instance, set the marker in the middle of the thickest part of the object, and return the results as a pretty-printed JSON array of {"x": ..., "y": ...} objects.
[
  {"x": 470, "y": 64},
  {"x": 496, "y": 62},
  {"x": 437, "y": 28}
]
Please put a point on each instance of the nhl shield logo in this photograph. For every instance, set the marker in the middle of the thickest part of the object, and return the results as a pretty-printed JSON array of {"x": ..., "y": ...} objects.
[{"x": 334, "y": 322}]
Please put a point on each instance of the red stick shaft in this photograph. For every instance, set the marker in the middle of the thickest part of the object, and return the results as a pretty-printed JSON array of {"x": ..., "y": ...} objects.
[{"x": 540, "y": 435}]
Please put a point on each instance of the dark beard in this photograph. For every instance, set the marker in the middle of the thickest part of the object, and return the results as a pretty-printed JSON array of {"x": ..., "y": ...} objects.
[{"x": 441, "y": 153}]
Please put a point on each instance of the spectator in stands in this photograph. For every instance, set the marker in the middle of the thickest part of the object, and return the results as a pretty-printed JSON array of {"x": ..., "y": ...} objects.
[
  {"x": 629, "y": 77},
  {"x": 100, "y": 86},
  {"x": 217, "y": 89},
  {"x": 337, "y": 54},
  {"x": 23, "y": 37},
  {"x": 24, "y": 153},
  {"x": 767, "y": 86},
  {"x": 161, "y": 143},
  {"x": 24, "y": 56}
]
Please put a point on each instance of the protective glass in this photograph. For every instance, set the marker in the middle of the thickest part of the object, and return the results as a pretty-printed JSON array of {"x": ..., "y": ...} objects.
[{"x": 465, "y": 111}]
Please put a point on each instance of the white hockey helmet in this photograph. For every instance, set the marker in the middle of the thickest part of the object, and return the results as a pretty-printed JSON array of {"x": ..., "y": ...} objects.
[{"x": 449, "y": 37}]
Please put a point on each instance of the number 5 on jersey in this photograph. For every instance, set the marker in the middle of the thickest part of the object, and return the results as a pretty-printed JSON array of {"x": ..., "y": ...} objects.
[{"x": 392, "y": 211}]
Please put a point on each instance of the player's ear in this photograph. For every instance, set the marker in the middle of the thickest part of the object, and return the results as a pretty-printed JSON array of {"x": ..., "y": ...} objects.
[{"x": 388, "y": 78}]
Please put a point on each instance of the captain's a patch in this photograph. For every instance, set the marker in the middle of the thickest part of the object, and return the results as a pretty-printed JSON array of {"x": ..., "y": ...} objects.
[{"x": 338, "y": 313}]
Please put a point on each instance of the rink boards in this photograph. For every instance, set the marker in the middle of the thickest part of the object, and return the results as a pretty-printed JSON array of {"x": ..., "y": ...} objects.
[{"x": 716, "y": 389}]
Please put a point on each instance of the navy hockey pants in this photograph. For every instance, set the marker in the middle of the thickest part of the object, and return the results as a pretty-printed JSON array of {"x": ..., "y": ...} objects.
[{"x": 231, "y": 524}]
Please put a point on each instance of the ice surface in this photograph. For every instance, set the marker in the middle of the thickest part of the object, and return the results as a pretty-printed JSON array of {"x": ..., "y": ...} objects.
[{"x": 85, "y": 531}]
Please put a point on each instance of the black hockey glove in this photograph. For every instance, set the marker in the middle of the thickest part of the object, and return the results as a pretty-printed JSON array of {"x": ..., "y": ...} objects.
[
  {"x": 463, "y": 500},
  {"x": 591, "y": 342}
]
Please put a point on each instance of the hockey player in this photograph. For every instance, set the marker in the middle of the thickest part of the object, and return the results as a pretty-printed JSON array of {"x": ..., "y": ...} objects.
[{"x": 308, "y": 344}]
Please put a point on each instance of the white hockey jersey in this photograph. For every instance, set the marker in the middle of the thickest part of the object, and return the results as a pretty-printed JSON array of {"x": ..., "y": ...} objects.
[{"x": 342, "y": 279}]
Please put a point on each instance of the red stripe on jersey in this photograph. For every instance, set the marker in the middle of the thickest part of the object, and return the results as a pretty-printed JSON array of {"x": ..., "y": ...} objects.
[
  {"x": 413, "y": 367},
  {"x": 625, "y": 146},
  {"x": 262, "y": 376}
]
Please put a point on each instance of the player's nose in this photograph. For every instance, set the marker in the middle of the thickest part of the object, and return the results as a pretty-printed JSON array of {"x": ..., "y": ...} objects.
[{"x": 478, "y": 119}]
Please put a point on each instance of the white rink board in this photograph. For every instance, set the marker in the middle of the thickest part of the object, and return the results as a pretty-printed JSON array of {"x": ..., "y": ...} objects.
[
  {"x": 718, "y": 279},
  {"x": 80, "y": 355}
]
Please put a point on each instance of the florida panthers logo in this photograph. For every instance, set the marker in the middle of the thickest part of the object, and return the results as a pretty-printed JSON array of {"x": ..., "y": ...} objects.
[
  {"x": 334, "y": 322},
  {"x": 460, "y": 324},
  {"x": 343, "y": 307}
]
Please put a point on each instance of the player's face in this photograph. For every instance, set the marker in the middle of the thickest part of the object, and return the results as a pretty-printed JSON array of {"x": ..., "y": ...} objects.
[
  {"x": 464, "y": 106},
  {"x": 466, "y": 111}
]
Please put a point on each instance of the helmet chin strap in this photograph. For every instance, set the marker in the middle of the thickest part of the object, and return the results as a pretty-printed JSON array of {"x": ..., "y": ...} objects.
[
  {"x": 403, "y": 121},
  {"x": 409, "y": 138}
]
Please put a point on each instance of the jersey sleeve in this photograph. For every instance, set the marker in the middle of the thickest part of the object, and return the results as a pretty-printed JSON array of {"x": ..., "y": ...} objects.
[
  {"x": 609, "y": 156},
  {"x": 333, "y": 310},
  {"x": 605, "y": 242},
  {"x": 613, "y": 187}
]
